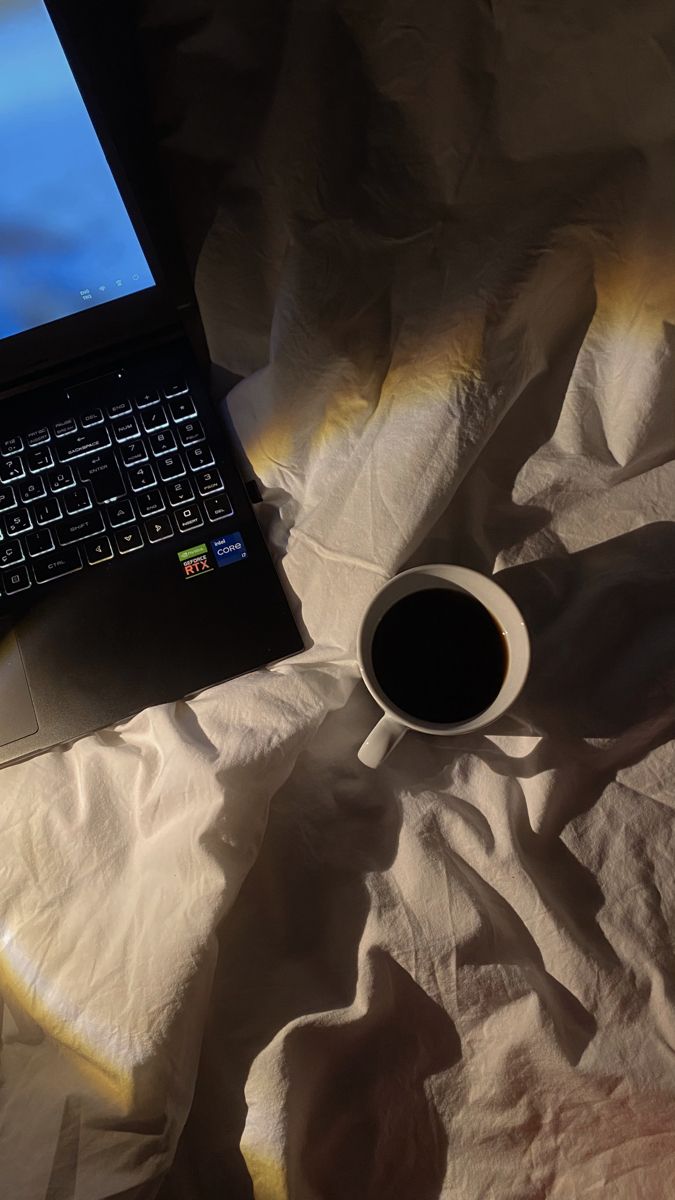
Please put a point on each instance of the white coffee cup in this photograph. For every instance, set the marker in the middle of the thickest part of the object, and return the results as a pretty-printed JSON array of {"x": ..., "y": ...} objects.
[{"x": 395, "y": 722}]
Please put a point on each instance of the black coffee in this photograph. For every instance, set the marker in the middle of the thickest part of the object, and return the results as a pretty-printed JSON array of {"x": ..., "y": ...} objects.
[{"x": 440, "y": 656}]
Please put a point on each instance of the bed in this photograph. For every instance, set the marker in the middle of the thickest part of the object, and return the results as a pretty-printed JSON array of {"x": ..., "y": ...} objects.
[{"x": 437, "y": 243}]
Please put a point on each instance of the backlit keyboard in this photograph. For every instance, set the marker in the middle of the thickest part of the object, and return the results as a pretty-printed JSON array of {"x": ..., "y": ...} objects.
[{"x": 117, "y": 478}]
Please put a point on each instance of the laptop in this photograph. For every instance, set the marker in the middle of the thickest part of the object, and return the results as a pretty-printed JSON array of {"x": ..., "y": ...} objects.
[{"x": 132, "y": 568}]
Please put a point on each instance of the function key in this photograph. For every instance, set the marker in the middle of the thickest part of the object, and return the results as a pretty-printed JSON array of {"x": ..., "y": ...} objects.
[
  {"x": 182, "y": 407},
  {"x": 39, "y": 460},
  {"x": 162, "y": 442},
  {"x": 199, "y": 456},
  {"x": 133, "y": 453},
  {"x": 7, "y": 499},
  {"x": 60, "y": 479},
  {"x": 77, "y": 501},
  {"x": 159, "y": 528},
  {"x": 10, "y": 446},
  {"x": 218, "y": 507},
  {"x": 11, "y": 469},
  {"x": 130, "y": 539},
  {"x": 142, "y": 477},
  {"x": 121, "y": 513},
  {"x": 119, "y": 408},
  {"x": 32, "y": 489},
  {"x": 126, "y": 430},
  {"x": 174, "y": 387},
  {"x": 146, "y": 399},
  {"x": 191, "y": 432},
  {"x": 39, "y": 542},
  {"x": 98, "y": 550},
  {"x": 46, "y": 511},
  {"x": 93, "y": 416},
  {"x": 154, "y": 418},
  {"x": 179, "y": 492},
  {"x": 150, "y": 503},
  {"x": 188, "y": 518},
  {"x": 11, "y": 553},
  {"x": 170, "y": 467},
  {"x": 53, "y": 566},
  {"x": 63, "y": 428},
  {"x": 16, "y": 581},
  {"x": 208, "y": 482},
  {"x": 18, "y": 522},
  {"x": 38, "y": 436}
]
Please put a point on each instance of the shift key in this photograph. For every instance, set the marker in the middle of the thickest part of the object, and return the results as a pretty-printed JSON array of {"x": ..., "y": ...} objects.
[
  {"x": 79, "y": 527},
  {"x": 103, "y": 473},
  {"x": 53, "y": 566}
]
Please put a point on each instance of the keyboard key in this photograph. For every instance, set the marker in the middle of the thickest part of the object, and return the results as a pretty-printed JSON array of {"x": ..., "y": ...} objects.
[
  {"x": 191, "y": 432},
  {"x": 119, "y": 408},
  {"x": 179, "y": 492},
  {"x": 199, "y": 456},
  {"x": 11, "y": 446},
  {"x": 150, "y": 503},
  {"x": 81, "y": 444},
  {"x": 188, "y": 518},
  {"x": 18, "y": 522},
  {"x": 38, "y": 436},
  {"x": 60, "y": 479},
  {"x": 39, "y": 460},
  {"x": 162, "y": 442},
  {"x": 105, "y": 478},
  {"x": 133, "y": 453},
  {"x": 32, "y": 489},
  {"x": 121, "y": 513},
  {"x": 78, "y": 528},
  {"x": 11, "y": 469},
  {"x": 208, "y": 482},
  {"x": 63, "y": 428},
  {"x": 16, "y": 581},
  {"x": 154, "y": 418},
  {"x": 54, "y": 566},
  {"x": 218, "y": 507},
  {"x": 40, "y": 542},
  {"x": 175, "y": 387},
  {"x": 159, "y": 528},
  {"x": 94, "y": 416},
  {"x": 182, "y": 407},
  {"x": 146, "y": 399},
  {"x": 11, "y": 553},
  {"x": 130, "y": 539},
  {"x": 142, "y": 477},
  {"x": 170, "y": 467},
  {"x": 46, "y": 511},
  {"x": 77, "y": 501},
  {"x": 98, "y": 550},
  {"x": 7, "y": 499},
  {"x": 126, "y": 430}
]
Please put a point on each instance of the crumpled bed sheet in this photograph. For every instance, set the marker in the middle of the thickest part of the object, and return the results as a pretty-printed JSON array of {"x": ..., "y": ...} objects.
[{"x": 235, "y": 963}]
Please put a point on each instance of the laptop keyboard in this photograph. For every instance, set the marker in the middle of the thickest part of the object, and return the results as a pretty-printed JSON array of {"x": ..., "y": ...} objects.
[{"x": 117, "y": 478}]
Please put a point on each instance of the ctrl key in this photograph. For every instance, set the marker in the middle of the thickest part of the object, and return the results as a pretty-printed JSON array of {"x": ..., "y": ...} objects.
[
  {"x": 53, "y": 566},
  {"x": 16, "y": 580}
]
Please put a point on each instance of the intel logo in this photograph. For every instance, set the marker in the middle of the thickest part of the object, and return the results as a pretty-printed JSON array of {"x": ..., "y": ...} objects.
[{"x": 228, "y": 549}]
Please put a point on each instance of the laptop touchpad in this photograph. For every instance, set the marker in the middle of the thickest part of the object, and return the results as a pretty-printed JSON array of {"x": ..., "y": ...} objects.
[{"x": 17, "y": 715}]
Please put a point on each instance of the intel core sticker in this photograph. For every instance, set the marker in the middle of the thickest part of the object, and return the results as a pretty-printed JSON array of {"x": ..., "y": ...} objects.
[
  {"x": 228, "y": 549},
  {"x": 195, "y": 561}
]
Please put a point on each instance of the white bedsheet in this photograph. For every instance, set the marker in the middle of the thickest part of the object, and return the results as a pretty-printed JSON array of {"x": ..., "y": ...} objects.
[{"x": 454, "y": 976}]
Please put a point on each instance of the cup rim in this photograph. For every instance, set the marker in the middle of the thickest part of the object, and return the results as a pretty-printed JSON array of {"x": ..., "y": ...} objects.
[{"x": 503, "y": 610}]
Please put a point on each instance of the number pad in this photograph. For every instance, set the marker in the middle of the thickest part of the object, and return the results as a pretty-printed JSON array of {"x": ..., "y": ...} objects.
[
  {"x": 191, "y": 432},
  {"x": 199, "y": 456},
  {"x": 142, "y": 477},
  {"x": 133, "y": 453},
  {"x": 162, "y": 443},
  {"x": 182, "y": 408},
  {"x": 170, "y": 467},
  {"x": 188, "y": 518},
  {"x": 154, "y": 418},
  {"x": 218, "y": 507},
  {"x": 150, "y": 503},
  {"x": 179, "y": 492},
  {"x": 208, "y": 482}
]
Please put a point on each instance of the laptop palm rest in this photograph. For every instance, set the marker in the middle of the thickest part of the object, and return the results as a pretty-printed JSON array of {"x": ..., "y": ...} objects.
[{"x": 17, "y": 715}]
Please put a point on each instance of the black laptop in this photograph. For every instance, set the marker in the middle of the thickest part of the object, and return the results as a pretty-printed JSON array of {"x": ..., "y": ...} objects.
[{"x": 132, "y": 568}]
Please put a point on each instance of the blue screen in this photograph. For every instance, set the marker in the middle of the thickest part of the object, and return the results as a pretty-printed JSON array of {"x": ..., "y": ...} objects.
[{"x": 66, "y": 240}]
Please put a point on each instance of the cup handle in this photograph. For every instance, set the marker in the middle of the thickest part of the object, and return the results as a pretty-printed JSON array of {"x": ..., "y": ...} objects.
[{"x": 381, "y": 741}]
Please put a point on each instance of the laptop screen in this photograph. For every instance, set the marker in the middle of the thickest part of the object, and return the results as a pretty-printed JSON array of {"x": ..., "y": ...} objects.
[{"x": 66, "y": 240}]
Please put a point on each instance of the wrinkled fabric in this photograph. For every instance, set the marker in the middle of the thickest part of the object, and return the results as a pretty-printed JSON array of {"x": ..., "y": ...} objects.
[{"x": 439, "y": 242}]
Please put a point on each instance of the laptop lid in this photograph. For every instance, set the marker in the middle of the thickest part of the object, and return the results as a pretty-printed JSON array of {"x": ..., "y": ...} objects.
[{"x": 77, "y": 268}]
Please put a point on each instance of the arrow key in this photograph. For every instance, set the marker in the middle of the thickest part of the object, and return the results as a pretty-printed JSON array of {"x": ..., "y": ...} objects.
[
  {"x": 159, "y": 528},
  {"x": 129, "y": 539},
  {"x": 98, "y": 550}
]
